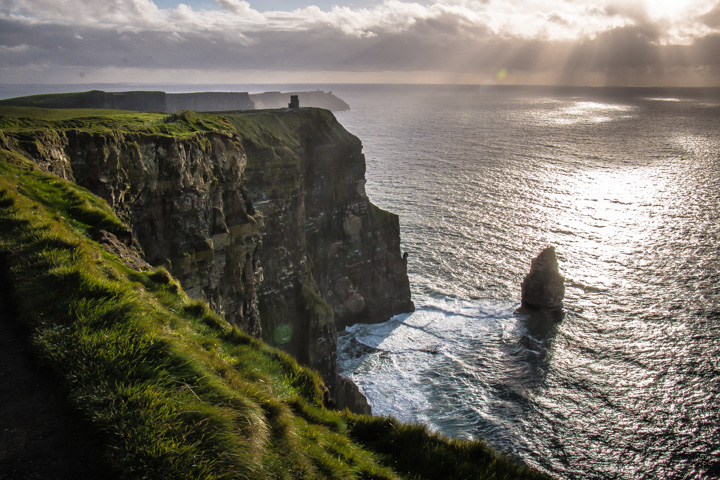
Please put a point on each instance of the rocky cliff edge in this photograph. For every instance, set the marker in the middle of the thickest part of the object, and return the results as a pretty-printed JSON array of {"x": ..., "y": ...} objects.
[{"x": 263, "y": 214}]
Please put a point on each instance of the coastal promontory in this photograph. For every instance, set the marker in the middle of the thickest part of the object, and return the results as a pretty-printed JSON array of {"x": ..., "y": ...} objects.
[{"x": 166, "y": 273}]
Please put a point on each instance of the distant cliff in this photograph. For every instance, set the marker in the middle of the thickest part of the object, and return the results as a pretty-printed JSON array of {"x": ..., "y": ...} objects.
[
  {"x": 157, "y": 101},
  {"x": 328, "y": 256},
  {"x": 141, "y": 101},
  {"x": 208, "y": 101}
]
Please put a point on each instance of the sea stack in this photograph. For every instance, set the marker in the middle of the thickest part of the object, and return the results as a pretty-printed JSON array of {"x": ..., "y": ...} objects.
[{"x": 543, "y": 288}]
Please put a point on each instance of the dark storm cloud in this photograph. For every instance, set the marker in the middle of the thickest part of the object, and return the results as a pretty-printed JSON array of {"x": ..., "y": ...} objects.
[{"x": 621, "y": 47}]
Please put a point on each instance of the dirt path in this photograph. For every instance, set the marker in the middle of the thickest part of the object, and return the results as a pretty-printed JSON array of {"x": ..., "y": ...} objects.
[{"x": 40, "y": 437}]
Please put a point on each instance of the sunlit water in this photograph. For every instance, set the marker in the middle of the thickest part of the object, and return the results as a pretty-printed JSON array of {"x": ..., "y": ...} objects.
[{"x": 628, "y": 190}]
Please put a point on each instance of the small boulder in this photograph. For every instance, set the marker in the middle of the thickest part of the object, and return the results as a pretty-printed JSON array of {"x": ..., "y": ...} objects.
[
  {"x": 350, "y": 397},
  {"x": 543, "y": 289}
]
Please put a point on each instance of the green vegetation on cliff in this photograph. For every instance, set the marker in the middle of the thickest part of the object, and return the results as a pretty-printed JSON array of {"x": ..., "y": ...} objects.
[
  {"x": 174, "y": 390},
  {"x": 24, "y": 120}
]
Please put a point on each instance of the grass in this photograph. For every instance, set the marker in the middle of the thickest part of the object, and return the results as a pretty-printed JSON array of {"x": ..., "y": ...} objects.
[
  {"x": 29, "y": 121},
  {"x": 173, "y": 389},
  {"x": 176, "y": 390},
  {"x": 268, "y": 129}
]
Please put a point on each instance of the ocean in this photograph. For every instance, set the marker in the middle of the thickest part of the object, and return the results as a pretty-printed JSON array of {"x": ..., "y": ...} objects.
[{"x": 626, "y": 185}]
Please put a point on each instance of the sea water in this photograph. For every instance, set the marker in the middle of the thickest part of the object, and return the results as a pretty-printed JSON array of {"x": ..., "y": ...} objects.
[{"x": 626, "y": 186}]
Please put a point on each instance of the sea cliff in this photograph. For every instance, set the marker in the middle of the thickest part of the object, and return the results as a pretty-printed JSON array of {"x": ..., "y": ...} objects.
[
  {"x": 158, "y": 101},
  {"x": 315, "y": 98},
  {"x": 158, "y": 383},
  {"x": 330, "y": 257},
  {"x": 184, "y": 198},
  {"x": 263, "y": 215}
]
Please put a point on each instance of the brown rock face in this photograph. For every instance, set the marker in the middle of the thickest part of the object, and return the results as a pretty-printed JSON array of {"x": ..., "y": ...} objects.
[
  {"x": 330, "y": 257},
  {"x": 185, "y": 200},
  {"x": 543, "y": 288},
  {"x": 350, "y": 397}
]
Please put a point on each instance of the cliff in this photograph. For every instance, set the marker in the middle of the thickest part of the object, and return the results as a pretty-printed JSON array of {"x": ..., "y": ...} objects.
[
  {"x": 318, "y": 99},
  {"x": 140, "y": 101},
  {"x": 160, "y": 385},
  {"x": 184, "y": 184},
  {"x": 208, "y": 101},
  {"x": 330, "y": 257},
  {"x": 183, "y": 195},
  {"x": 149, "y": 101}
]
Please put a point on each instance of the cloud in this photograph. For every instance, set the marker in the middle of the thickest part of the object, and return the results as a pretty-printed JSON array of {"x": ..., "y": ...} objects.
[
  {"x": 237, "y": 6},
  {"x": 470, "y": 37},
  {"x": 122, "y": 13},
  {"x": 712, "y": 18}
]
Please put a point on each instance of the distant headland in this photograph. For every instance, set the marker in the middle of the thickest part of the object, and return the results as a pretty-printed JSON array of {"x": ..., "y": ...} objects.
[{"x": 159, "y": 101}]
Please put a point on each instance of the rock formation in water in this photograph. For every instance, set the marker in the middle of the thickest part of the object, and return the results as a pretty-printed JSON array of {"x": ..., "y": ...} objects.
[
  {"x": 316, "y": 98},
  {"x": 328, "y": 256},
  {"x": 543, "y": 288}
]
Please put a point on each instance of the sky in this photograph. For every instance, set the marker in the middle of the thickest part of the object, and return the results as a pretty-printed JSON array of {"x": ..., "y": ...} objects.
[{"x": 568, "y": 42}]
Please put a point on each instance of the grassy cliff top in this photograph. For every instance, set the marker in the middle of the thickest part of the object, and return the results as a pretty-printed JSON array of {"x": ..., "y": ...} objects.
[
  {"x": 23, "y": 120},
  {"x": 282, "y": 127},
  {"x": 171, "y": 388}
]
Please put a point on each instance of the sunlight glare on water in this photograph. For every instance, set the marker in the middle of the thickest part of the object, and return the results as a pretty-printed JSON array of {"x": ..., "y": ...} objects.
[{"x": 627, "y": 190}]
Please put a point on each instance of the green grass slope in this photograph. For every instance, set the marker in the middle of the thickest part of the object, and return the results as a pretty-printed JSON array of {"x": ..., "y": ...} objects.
[
  {"x": 173, "y": 389},
  {"x": 16, "y": 120}
]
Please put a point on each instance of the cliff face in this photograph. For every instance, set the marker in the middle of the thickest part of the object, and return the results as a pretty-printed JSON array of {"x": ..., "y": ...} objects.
[
  {"x": 185, "y": 200},
  {"x": 329, "y": 257},
  {"x": 208, "y": 101}
]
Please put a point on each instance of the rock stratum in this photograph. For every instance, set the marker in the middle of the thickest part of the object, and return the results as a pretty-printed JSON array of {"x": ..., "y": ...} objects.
[{"x": 262, "y": 214}]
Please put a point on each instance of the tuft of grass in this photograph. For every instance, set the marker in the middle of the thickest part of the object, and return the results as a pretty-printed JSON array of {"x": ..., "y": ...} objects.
[
  {"x": 416, "y": 453},
  {"x": 61, "y": 199}
]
